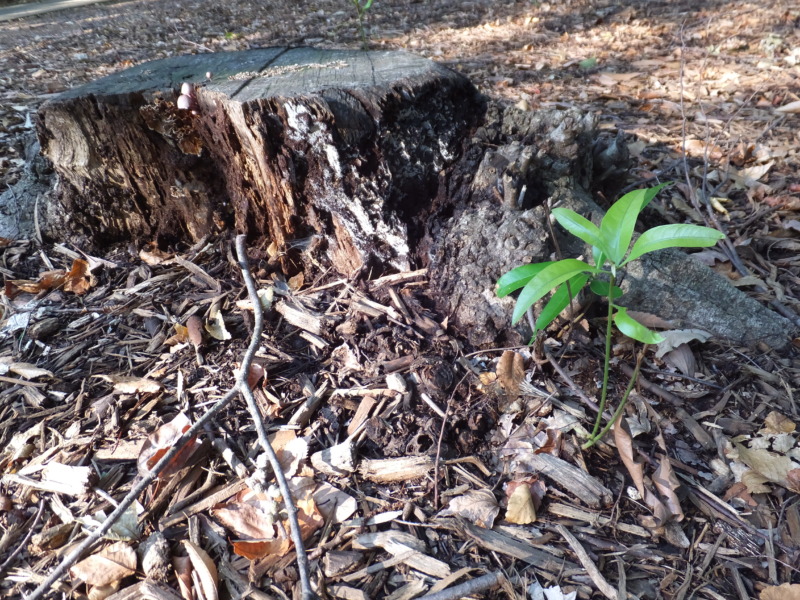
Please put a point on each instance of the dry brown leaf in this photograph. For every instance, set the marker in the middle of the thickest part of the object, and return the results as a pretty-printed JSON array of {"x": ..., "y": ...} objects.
[
  {"x": 253, "y": 516},
  {"x": 49, "y": 280},
  {"x": 296, "y": 282},
  {"x": 112, "y": 563},
  {"x": 520, "y": 510},
  {"x": 161, "y": 440},
  {"x": 181, "y": 336},
  {"x": 624, "y": 443},
  {"x": 511, "y": 371},
  {"x": 248, "y": 515},
  {"x": 699, "y": 149},
  {"x": 183, "y": 571},
  {"x": 28, "y": 371},
  {"x": 216, "y": 326},
  {"x": 125, "y": 384},
  {"x": 79, "y": 279},
  {"x": 548, "y": 441},
  {"x": 205, "y": 569},
  {"x": 667, "y": 482},
  {"x": 785, "y": 591},
  {"x": 774, "y": 467},
  {"x": 682, "y": 358},
  {"x": 476, "y": 506},
  {"x": 194, "y": 330},
  {"x": 776, "y": 423}
]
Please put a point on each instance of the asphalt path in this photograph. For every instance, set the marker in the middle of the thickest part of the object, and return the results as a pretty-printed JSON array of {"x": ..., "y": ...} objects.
[{"x": 20, "y": 11}]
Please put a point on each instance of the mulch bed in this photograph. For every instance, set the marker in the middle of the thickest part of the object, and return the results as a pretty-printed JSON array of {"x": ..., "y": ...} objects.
[{"x": 107, "y": 359}]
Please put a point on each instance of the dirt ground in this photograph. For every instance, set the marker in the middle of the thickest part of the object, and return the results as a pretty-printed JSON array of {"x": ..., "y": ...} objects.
[{"x": 698, "y": 500}]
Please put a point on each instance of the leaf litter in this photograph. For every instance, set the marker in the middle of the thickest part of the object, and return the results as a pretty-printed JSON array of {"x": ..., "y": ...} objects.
[{"x": 707, "y": 455}]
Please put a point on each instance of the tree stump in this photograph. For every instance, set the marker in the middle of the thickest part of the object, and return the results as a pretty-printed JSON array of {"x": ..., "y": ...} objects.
[
  {"x": 298, "y": 146},
  {"x": 365, "y": 161}
]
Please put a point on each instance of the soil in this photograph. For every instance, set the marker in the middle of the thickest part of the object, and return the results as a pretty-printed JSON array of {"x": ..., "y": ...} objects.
[{"x": 695, "y": 496}]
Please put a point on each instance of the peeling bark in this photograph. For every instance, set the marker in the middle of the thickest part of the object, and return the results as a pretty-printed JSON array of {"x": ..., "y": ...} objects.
[{"x": 297, "y": 146}]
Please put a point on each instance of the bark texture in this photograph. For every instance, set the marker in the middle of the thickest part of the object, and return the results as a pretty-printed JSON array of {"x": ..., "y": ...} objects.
[{"x": 300, "y": 146}]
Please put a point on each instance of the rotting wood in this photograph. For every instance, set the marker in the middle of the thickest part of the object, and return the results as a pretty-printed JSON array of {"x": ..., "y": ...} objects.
[
  {"x": 596, "y": 519},
  {"x": 400, "y": 543},
  {"x": 301, "y": 146},
  {"x": 511, "y": 546},
  {"x": 587, "y": 488},
  {"x": 387, "y": 470}
]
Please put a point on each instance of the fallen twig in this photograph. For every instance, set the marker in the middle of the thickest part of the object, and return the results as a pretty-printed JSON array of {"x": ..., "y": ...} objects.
[
  {"x": 591, "y": 569},
  {"x": 241, "y": 384},
  {"x": 10, "y": 560},
  {"x": 70, "y": 559},
  {"x": 473, "y": 586}
]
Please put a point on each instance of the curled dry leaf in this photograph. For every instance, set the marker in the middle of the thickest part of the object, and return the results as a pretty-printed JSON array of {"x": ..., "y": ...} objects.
[
  {"x": 112, "y": 563},
  {"x": 216, "y": 326},
  {"x": 205, "y": 569},
  {"x": 624, "y": 443},
  {"x": 183, "y": 571},
  {"x": 181, "y": 336},
  {"x": 194, "y": 330},
  {"x": 79, "y": 279},
  {"x": 477, "y": 506},
  {"x": 159, "y": 443},
  {"x": 510, "y": 372},
  {"x": 667, "y": 483}
]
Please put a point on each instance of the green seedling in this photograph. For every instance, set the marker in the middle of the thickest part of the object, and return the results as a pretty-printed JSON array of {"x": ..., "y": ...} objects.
[
  {"x": 362, "y": 6},
  {"x": 612, "y": 248}
]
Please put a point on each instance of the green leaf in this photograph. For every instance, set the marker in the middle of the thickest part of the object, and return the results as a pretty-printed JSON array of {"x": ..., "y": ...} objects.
[
  {"x": 598, "y": 256},
  {"x": 560, "y": 300},
  {"x": 674, "y": 236},
  {"x": 579, "y": 226},
  {"x": 587, "y": 63},
  {"x": 547, "y": 279},
  {"x": 634, "y": 329},
  {"x": 600, "y": 287},
  {"x": 518, "y": 277},
  {"x": 616, "y": 229}
]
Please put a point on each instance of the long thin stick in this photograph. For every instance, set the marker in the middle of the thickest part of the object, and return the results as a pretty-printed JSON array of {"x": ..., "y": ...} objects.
[
  {"x": 473, "y": 586},
  {"x": 241, "y": 384},
  {"x": 592, "y": 571},
  {"x": 94, "y": 537}
]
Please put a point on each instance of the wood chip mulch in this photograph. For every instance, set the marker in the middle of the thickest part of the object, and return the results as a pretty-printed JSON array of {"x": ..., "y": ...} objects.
[{"x": 417, "y": 464}]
